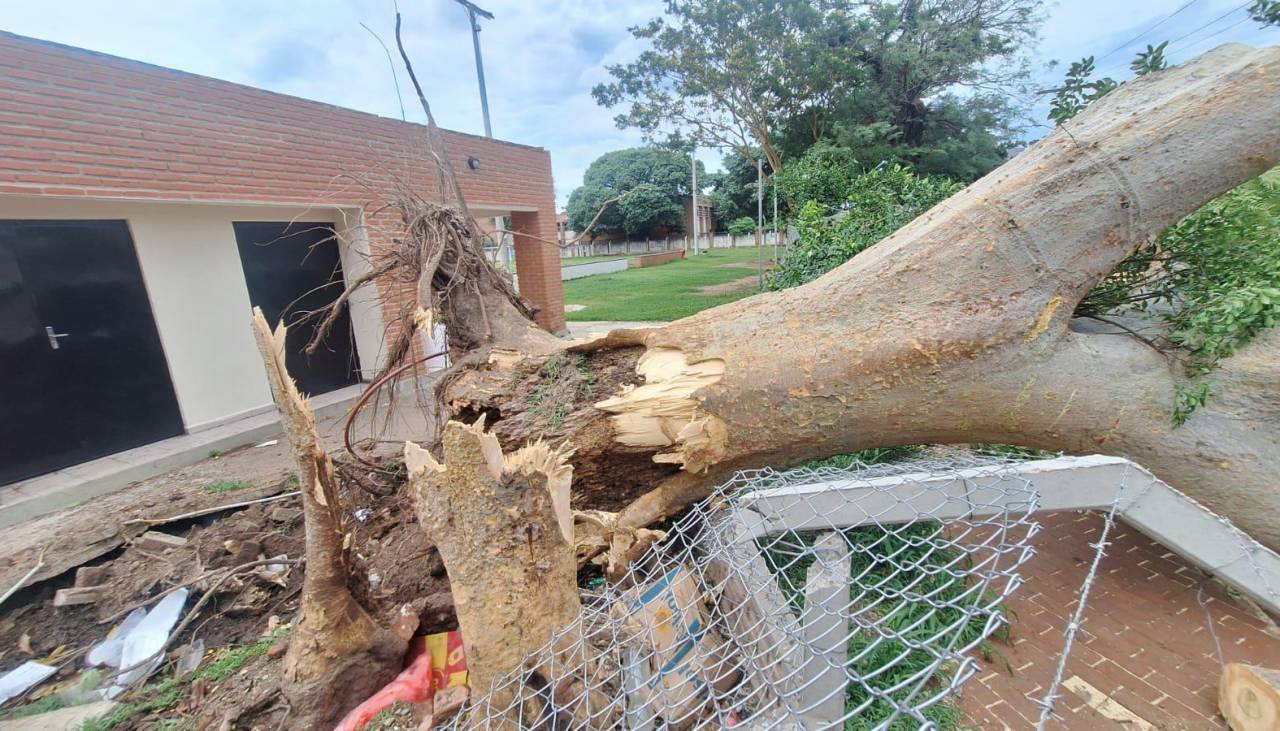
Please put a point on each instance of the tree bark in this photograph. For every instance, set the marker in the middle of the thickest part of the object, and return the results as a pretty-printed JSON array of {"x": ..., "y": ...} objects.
[{"x": 957, "y": 328}]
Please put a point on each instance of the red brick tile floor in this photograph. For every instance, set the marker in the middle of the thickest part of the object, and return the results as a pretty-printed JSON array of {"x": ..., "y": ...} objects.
[{"x": 1145, "y": 642}]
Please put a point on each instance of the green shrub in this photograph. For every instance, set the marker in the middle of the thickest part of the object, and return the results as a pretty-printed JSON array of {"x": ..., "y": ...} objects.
[
  {"x": 824, "y": 175},
  {"x": 744, "y": 226},
  {"x": 1213, "y": 279},
  {"x": 875, "y": 205}
]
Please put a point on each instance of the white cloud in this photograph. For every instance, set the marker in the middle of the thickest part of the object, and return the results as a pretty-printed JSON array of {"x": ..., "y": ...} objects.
[{"x": 541, "y": 59}]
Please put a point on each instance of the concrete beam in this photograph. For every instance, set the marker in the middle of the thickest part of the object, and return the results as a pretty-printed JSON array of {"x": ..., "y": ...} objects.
[{"x": 1181, "y": 524}]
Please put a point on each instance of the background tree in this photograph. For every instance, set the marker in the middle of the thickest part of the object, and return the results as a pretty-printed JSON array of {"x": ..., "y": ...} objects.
[
  {"x": 773, "y": 77},
  {"x": 744, "y": 226},
  {"x": 649, "y": 209},
  {"x": 911, "y": 54},
  {"x": 722, "y": 73},
  {"x": 660, "y": 180},
  {"x": 733, "y": 193}
]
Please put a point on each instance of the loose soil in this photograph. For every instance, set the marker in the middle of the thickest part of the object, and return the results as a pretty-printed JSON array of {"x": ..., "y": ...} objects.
[
  {"x": 393, "y": 565},
  {"x": 730, "y": 287},
  {"x": 768, "y": 264}
]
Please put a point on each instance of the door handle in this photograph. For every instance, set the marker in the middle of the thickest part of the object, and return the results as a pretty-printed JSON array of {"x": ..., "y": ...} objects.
[{"x": 53, "y": 337}]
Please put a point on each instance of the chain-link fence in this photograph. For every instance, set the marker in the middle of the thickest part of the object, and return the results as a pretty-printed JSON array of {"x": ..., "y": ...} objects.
[{"x": 822, "y": 598}]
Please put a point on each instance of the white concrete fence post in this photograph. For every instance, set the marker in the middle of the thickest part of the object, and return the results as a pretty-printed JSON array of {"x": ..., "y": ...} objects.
[{"x": 824, "y": 624}]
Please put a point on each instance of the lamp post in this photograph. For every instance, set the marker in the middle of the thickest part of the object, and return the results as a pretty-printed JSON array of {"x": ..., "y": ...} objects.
[{"x": 472, "y": 11}]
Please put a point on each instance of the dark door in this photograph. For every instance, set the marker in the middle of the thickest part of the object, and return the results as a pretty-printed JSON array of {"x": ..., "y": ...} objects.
[
  {"x": 293, "y": 271},
  {"x": 82, "y": 371}
]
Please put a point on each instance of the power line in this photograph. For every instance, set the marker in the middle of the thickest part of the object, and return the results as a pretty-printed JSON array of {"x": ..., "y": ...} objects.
[
  {"x": 1196, "y": 30},
  {"x": 1217, "y": 33},
  {"x": 1157, "y": 24},
  {"x": 1215, "y": 20}
]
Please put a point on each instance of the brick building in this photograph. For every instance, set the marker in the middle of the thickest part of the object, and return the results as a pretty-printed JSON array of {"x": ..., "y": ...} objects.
[{"x": 144, "y": 210}]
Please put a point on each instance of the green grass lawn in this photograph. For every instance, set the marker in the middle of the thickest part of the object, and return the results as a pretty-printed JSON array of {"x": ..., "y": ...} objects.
[{"x": 665, "y": 292}]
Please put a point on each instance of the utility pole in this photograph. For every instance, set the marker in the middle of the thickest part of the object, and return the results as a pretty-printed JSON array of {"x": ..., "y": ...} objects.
[
  {"x": 472, "y": 11},
  {"x": 693, "y": 200},
  {"x": 760, "y": 222},
  {"x": 775, "y": 222}
]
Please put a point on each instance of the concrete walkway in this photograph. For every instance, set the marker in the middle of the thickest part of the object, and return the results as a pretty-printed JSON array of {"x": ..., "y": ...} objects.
[
  {"x": 24, "y": 500},
  {"x": 27, "y": 499}
]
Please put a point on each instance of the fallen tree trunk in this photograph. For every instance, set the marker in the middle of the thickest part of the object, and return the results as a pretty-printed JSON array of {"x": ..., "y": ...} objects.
[
  {"x": 1249, "y": 697},
  {"x": 955, "y": 329}
]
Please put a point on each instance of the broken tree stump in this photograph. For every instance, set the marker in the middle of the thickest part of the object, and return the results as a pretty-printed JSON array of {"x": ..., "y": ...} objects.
[
  {"x": 503, "y": 527},
  {"x": 338, "y": 656},
  {"x": 1249, "y": 697}
]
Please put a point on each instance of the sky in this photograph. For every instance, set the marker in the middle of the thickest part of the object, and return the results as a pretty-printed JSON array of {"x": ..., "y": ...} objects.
[{"x": 541, "y": 57}]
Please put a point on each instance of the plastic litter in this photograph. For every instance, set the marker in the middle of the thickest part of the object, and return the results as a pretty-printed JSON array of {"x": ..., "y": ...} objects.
[
  {"x": 22, "y": 678},
  {"x": 437, "y": 661},
  {"x": 362, "y": 514},
  {"x": 277, "y": 568},
  {"x": 145, "y": 640},
  {"x": 190, "y": 661},
  {"x": 108, "y": 651}
]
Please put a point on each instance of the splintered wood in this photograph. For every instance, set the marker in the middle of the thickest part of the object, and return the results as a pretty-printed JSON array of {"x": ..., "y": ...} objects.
[
  {"x": 664, "y": 413},
  {"x": 337, "y": 654},
  {"x": 505, "y": 532}
]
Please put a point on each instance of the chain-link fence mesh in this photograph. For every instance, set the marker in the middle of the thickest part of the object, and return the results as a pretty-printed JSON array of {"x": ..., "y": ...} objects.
[{"x": 824, "y": 598}]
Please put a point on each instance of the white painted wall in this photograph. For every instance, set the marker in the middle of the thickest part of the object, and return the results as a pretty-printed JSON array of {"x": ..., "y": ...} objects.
[{"x": 191, "y": 268}]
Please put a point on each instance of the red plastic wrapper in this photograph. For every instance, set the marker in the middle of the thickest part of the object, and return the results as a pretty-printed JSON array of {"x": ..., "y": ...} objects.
[{"x": 435, "y": 662}]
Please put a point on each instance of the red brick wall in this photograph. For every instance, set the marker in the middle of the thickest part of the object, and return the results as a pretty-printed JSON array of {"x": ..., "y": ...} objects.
[{"x": 79, "y": 123}]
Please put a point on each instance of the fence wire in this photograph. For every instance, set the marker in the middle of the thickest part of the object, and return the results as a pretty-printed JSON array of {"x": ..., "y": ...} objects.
[{"x": 831, "y": 598}]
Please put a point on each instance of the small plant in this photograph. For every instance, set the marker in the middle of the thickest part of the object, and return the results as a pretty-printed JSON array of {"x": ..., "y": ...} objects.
[
  {"x": 557, "y": 416},
  {"x": 399, "y": 715},
  {"x": 588, "y": 376},
  {"x": 553, "y": 365},
  {"x": 1186, "y": 399},
  {"x": 163, "y": 694},
  {"x": 1150, "y": 60},
  {"x": 214, "y": 488},
  {"x": 215, "y": 453},
  {"x": 1078, "y": 90},
  {"x": 44, "y": 705}
]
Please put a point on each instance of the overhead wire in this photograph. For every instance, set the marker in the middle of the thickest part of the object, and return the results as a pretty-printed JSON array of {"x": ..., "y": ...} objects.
[
  {"x": 1157, "y": 24},
  {"x": 1115, "y": 68}
]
